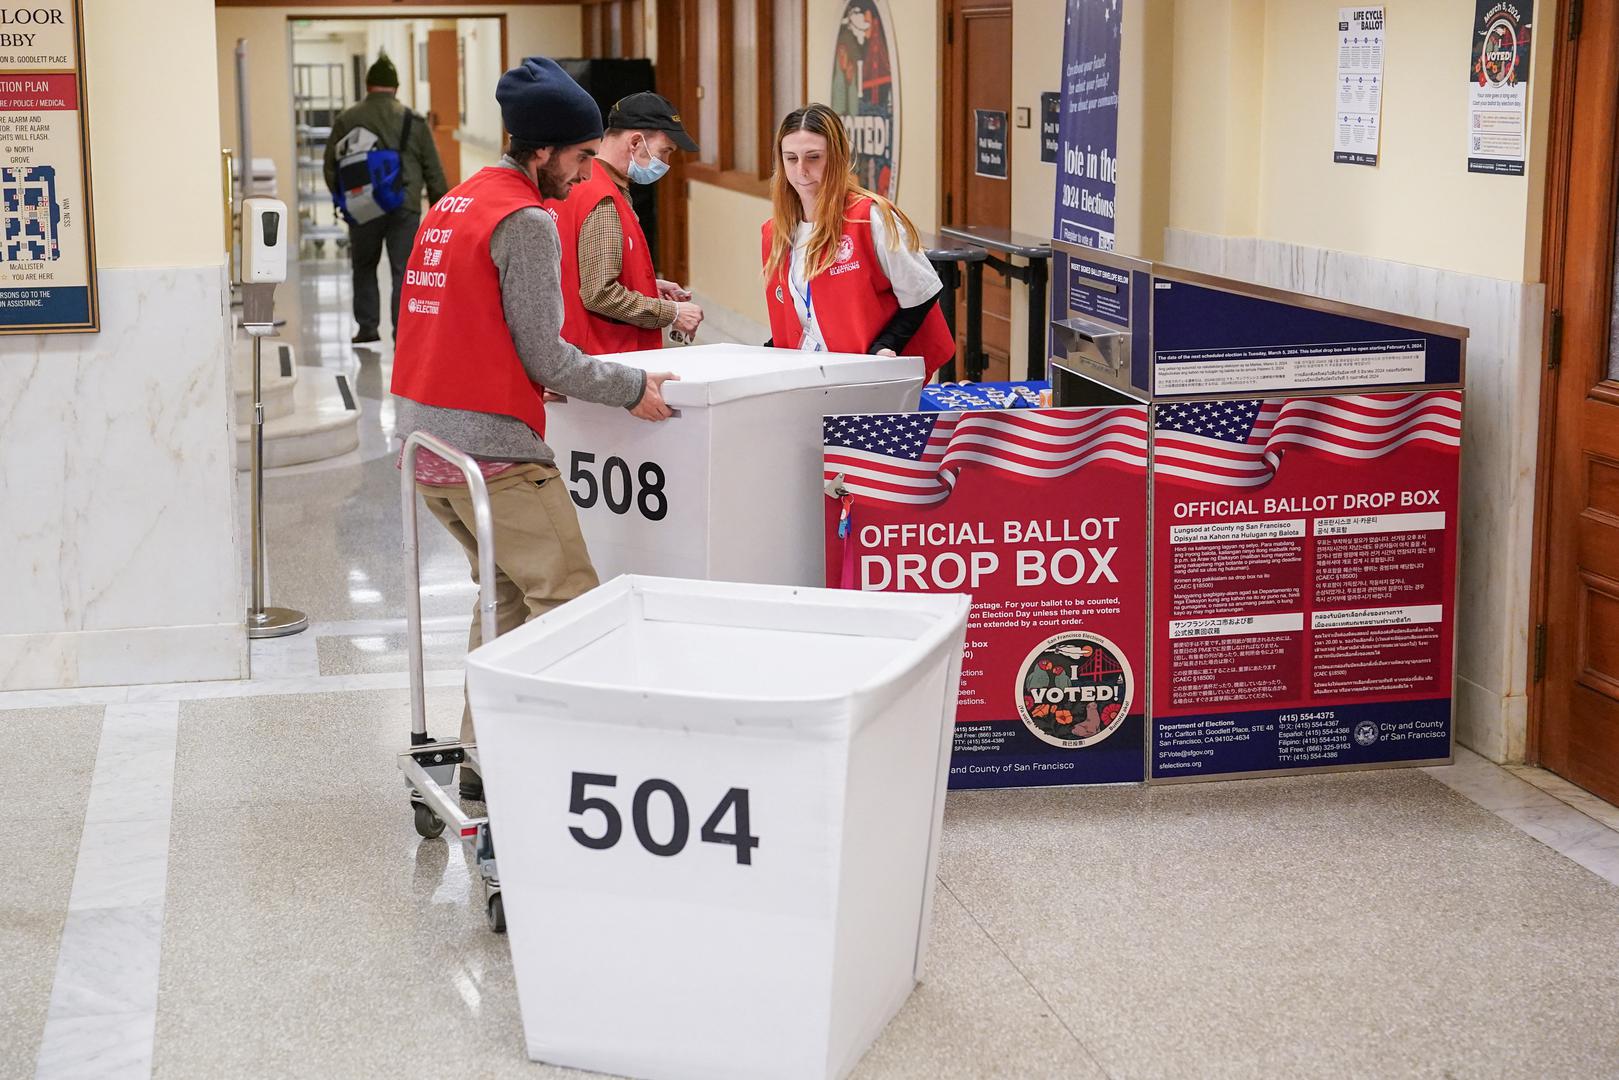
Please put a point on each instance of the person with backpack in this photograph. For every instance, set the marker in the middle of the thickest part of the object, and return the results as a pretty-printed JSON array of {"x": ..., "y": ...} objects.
[{"x": 378, "y": 158}]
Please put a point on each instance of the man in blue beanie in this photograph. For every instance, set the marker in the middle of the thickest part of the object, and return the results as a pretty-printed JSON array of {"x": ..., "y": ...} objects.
[{"x": 480, "y": 343}]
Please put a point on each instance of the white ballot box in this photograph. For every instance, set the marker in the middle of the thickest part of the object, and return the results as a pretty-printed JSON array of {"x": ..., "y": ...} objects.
[
  {"x": 716, "y": 811},
  {"x": 730, "y": 489}
]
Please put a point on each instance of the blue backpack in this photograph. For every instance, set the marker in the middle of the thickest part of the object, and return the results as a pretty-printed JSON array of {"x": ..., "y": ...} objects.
[{"x": 370, "y": 179}]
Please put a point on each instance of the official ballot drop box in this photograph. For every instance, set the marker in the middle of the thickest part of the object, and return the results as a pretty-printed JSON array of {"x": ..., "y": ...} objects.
[
  {"x": 729, "y": 488},
  {"x": 1303, "y": 500},
  {"x": 719, "y": 811}
]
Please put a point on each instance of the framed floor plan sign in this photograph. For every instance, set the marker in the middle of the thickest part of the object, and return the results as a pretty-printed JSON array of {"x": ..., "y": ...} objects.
[{"x": 47, "y": 233}]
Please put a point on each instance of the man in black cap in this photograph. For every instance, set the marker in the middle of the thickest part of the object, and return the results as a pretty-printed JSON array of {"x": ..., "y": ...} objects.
[
  {"x": 480, "y": 343},
  {"x": 381, "y": 122},
  {"x": 614, "y": 299}
]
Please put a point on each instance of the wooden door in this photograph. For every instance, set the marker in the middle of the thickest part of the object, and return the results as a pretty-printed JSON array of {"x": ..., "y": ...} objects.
[
  {"x": 677, "y": 61},
  {"x": 978, "y": 46},
  {"x": 444, "y": 99},
  {"x": 1578, "y": 542}
]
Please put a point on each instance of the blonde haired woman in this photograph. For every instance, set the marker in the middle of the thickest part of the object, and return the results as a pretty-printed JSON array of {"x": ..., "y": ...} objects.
[{"x": 844, "y": 270}]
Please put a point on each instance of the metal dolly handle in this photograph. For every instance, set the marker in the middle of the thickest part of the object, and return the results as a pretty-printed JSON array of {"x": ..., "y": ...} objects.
[
  {"x": 428, "y": 766},
  {"x": 483, "y": 532}
]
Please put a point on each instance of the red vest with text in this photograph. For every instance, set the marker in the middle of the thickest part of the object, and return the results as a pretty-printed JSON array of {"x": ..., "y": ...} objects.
[
  {"x": 853, "y": 300},
  {"x": 452, "y": 347},
  {"x": 593, "y": 333}
]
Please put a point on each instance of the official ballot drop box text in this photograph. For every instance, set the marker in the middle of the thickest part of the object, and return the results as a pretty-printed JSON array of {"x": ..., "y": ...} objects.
[
  {"x": 719, "y": 809},
  {"x": 729, "y": 489}
]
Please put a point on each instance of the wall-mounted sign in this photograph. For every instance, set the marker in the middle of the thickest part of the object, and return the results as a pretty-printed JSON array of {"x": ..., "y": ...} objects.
[
  {"x": 1089, "y": 124},
  {"x": 1050, "y": 127},
  {"x": 865, "y": 93},
  {"x": 47, "y": 239},
  {"x": 989, "y": 143},
  {"x": 1498, "y": 87},
  {"x": 1359, "y": 103}
]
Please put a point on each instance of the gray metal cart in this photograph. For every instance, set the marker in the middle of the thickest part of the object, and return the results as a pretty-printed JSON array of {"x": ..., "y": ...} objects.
[{"x": 429, "y": 765}]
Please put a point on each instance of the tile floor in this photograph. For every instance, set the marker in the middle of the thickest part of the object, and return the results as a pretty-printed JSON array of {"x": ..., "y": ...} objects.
[{"x": 222, "y": 880}]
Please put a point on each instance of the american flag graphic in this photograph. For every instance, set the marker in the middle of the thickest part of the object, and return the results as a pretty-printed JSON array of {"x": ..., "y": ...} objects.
[
  {"x": 915, "y": 458},
  {"x": 1240, "y": 443}
]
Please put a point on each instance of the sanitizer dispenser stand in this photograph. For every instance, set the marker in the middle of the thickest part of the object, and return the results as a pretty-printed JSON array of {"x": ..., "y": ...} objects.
[{"x": 263, "y": 264}]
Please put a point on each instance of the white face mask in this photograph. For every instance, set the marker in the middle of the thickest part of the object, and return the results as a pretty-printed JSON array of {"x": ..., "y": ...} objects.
[{"x": 649, "y": 173}]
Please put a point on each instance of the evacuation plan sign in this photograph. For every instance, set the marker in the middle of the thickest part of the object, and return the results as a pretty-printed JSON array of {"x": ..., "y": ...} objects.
[{"x": 47, "y": 241}]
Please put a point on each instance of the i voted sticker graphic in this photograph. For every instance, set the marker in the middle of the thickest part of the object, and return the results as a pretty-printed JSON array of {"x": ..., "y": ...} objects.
[{"x": 1075, "y": 689}]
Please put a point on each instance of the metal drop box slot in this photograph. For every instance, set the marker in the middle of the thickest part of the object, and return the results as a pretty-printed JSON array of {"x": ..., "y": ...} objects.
[{"x": 1123, "y": 329}]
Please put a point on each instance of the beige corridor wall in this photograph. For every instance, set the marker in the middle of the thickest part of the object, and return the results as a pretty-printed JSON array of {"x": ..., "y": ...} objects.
[
  {"x": 140, "y": 165},
  {"x": 1420, "y": 205},
  {"x": 551, "y": 29}
]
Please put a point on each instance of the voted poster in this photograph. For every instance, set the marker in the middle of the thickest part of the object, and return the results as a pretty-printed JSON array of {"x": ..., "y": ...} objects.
[
  {"x": 1304, "y": 567},
  {"x": 1040, "y": 515},
  {"x": 865, "y": 92},
  {"x": 1498, "y": 87},
  {"x": 47, "y": 241}
]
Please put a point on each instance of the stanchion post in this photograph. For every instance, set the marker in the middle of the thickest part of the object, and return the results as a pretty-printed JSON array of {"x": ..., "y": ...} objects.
[
  {"x": 1037, "y": 320},
  {"x": 973, "y": 347},
  {"x": 258, "y": 319}
]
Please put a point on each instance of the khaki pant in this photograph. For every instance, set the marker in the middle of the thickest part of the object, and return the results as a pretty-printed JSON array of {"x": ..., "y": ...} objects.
[{"x": 540, "y": 555}]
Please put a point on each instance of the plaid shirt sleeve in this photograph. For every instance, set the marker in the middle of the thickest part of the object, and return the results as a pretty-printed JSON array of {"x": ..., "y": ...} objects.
[{"x": 601, "y": 260}]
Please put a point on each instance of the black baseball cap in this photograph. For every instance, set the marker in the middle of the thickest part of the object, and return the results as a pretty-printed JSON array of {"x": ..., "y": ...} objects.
[{"x": 650, "y": 112}]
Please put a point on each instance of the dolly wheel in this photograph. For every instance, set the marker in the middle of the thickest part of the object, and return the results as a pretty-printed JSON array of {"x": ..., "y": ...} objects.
[
  {"x": 428, "y": 824},
  {"x": 497, "y": 914}
]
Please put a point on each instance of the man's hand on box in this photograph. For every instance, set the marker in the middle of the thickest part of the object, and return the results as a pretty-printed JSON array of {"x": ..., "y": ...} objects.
[{"x": 651, "y": 406}]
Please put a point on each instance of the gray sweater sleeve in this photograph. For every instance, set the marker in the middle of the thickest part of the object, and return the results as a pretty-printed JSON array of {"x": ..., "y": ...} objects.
[{"x": 528, "y": 256}]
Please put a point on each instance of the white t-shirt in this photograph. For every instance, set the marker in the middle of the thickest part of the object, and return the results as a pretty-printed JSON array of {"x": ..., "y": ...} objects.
[{"x": 913, "y": 278}]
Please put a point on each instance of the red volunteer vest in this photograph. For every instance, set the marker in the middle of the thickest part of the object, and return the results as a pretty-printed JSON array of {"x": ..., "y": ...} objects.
[
  {"x": 593, "y": 333},
  {"x": 853, "y": 300},
  {"x": 452, "y": 347}
]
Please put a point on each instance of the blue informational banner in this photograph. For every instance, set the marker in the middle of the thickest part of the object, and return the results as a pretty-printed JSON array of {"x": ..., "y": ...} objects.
[
  {"x": 1209, "y": 341},
  {"x": 1089, "y": 124},
  {"x": 967, "y": 397}
]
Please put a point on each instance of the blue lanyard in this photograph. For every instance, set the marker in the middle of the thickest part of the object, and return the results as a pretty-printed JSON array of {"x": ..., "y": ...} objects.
[{"x": 809, "y": 310}]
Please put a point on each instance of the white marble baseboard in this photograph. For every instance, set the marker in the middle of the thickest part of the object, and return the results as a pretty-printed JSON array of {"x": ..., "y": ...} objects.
[
  {"x": 146, "y": 654},
  {"x": 1504, "y": 319},
  {"x": 1491, "y": 724},
  {"x": 117, "y": 490}
]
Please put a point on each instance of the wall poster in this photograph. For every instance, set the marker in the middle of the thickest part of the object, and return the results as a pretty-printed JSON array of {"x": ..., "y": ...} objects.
[
  {"x": 1041, "y": 515},
  {"x": 1050, "y": 127},
  {"x": 989, "y": 143},
  {"x": 865, "y": 92},
  {"x": 1089, "y": 124},
  {"x": 47, "y": 237},
  {"x": 1498, "y": 87},
  {"x": 1355, "y": 129}
]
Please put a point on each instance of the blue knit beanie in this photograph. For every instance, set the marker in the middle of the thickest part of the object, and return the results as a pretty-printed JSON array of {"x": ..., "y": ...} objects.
[{"x": 540, "y": 103}]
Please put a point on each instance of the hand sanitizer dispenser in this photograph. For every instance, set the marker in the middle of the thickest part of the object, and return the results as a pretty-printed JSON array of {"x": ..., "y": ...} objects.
[{"x": 264, "y": 241}]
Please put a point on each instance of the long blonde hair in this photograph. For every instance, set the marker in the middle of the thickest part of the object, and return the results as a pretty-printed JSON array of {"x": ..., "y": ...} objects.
[{"x": 838, "y": 190}]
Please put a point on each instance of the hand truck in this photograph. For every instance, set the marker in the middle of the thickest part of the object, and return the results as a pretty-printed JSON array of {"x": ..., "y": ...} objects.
[{"x": 429, "y": 766}]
